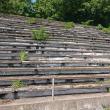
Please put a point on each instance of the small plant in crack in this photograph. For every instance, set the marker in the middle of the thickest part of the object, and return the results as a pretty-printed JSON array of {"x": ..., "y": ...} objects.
[
  {"x": 23, "y": 56},
  {"x": 17, "y": 84},
  {"x": 31, "y": 20},
  {"x": 69, "y": 25},
  {"x": 39, "y": 35}
]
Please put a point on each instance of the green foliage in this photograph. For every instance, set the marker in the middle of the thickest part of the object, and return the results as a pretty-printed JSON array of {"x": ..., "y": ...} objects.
[
  {"x": 106, "y": 108},
  {"x": 66, "y": 10},
  {"x": 39, "y": 35},
  {"x": 50, "y": 18},
  {"x": 75, "y": 10},
  {"x": 103, "y": 29},
  {"x": 100, "y": 27},
  {"x": 20, "y": 7},
  {"x": 98, "y": 10},
  {"x": 17, "y": 84},
  {"x": 48, "y": 8},
  {"x": 69, "y": 25},
  {"x": 88, "y": 22},
  {"x": 31, "y": 20},
  {"x": 23, "y": 56},
  {"x": 106, "y": 30},
  {"x": 4, "y": 6}
]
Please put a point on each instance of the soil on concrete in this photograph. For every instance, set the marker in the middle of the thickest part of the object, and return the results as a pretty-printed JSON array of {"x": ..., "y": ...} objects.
[{"x": 7, "y": 101}]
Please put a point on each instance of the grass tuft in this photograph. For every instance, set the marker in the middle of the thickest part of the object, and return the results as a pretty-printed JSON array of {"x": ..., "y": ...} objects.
[
  {"x": 69, "y": 25},
  {"x": 23, "y": 56},
  {"x": 39, "y": 35},
  {"x": 31, "y": 20},
  {"x": 100, "y": 27},
  {"x": 106, "y": 30},
  {"x": 17, "y": 84}
]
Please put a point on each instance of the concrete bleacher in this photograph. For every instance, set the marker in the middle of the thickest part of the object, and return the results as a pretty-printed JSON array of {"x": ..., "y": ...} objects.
[{"x": 69, "y": 55}]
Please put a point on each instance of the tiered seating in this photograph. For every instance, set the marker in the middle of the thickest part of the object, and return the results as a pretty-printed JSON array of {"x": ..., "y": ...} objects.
[{"x": 79, "y": 55}]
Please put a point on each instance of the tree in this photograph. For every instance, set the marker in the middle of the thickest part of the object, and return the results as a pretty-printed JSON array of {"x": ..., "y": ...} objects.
[
  {"x": 48, "y": 8},
  {"x": 21, "y": 7},
  {"x": 98, "y": 10},
  {"x": 79, "y": 11}
]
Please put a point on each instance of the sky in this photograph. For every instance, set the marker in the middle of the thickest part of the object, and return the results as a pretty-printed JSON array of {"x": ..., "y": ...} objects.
[{"x": 33, "y": 1}]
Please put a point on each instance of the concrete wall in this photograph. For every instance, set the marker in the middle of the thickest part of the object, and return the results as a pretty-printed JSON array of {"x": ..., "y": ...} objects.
[{"x": 80, "y": 103}]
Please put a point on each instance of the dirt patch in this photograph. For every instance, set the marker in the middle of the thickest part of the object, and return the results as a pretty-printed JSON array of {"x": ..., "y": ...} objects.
[{"x": 5, "y": 101}]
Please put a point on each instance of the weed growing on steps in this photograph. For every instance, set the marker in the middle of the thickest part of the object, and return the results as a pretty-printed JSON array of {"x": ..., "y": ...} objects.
[
  {"x": 31, "y": 20},
  {"x": 39, "y": 34},
  {"x": 99, "y": 27},
  {"x": 106, "y": 108},
  {"x": 69, "y": 25},
  {"x": 106, "y": 30},
  {"x": 23, "y": 56},
  {"x": 87, "y": 23},
  {"x": 17, "y": 84},
  {"x": 103, "y": 29}
]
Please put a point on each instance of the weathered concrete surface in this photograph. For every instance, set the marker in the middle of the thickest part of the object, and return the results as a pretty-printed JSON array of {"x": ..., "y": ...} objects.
[{"x": 73, "y": 102}]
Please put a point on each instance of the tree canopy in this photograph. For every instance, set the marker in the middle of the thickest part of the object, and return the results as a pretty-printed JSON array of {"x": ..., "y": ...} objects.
[{"x": 97, "y": 11}]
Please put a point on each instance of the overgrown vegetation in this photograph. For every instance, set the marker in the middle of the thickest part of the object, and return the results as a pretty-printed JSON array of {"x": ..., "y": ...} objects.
[
  {"x": 20, "y": 7},
  {"x": 106, "y": 108},
  {"x": 97, "y": 11},
  {"x": 31, "y": 20},
  {"x": 100, "y": 27},
  {"x": 103, "y": 29},
  {"x": 39, "y": 34},
  {"x": 17, "y": 84},
  {"x": 23, "y": 56},
  {"x": 106, "y": 30},
  {"x": 88, "y": 23},
  {"x": 69, "y": 25}
]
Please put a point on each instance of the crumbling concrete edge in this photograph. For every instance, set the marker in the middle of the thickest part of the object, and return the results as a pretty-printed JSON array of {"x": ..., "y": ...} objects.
[{"x": 77, "y": 102}]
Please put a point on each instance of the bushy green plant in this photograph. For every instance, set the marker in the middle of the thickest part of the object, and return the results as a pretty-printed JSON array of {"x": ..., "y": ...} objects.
[
  {"x": 103, "y": 29},
  {"x": 97, "y": 10},
  {"x": 50, "y": 18},
  {"x": 17, "y": 84},
  {"x": 106, "y": 108},
  {"x": 100, "y": 27},
  {"x": 106, "y": 30},
  {"x": 23, "y": 56},
  {"x": 69, "y": 25},
  {"x": 39, "y": 34},
  {"x": 31, "y": 20},
  {"x": 88, "y": 22}
]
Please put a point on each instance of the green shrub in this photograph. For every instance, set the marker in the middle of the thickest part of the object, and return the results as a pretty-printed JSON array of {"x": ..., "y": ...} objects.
[
  {"x": 100, "y": 27},
  {"x": 50, "y": 18},
  {"x": 31, "y": 20},
  {"x": 88, "y": 22},
  {"x": 106, "y": 30},
  {"x": 39, "y": 35},
  {"x": 23, "y": 56},
  {"x": 17, "y": 84},
  {"x": 69, "y": 25},
  {"x": 106, "y": 108}
]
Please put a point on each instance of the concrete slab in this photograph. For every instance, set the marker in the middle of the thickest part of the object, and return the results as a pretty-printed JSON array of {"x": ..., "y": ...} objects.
[{"x": 68, "y": 102}]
